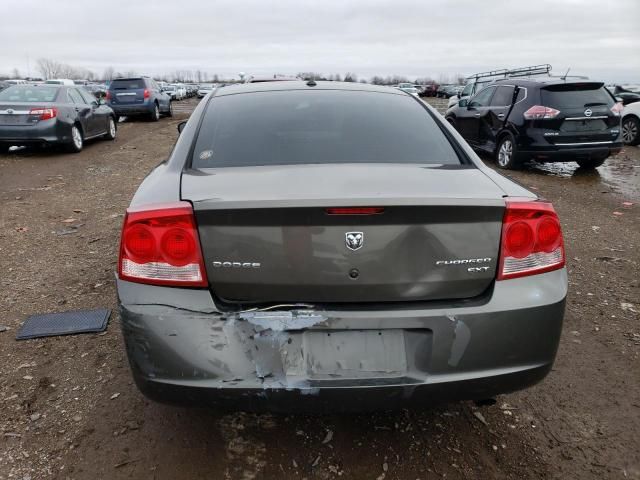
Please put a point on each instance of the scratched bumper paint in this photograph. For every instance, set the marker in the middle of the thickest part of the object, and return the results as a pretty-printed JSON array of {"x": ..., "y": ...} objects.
[{"x": 182, "y": 349}]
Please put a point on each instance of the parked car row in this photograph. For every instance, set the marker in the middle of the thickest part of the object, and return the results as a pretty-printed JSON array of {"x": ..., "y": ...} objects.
[
  {"x": 63, "y": 112},
  {"x": 547, "y": 119}
]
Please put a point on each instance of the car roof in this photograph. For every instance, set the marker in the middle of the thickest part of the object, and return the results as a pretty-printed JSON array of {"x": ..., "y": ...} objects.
[
  {"x": 42, "y": 85},
  {"x": 304, "y": 85}
]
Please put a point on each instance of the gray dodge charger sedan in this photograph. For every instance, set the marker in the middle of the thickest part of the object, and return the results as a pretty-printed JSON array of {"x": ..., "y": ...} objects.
[{"x": 334, "y": 246}]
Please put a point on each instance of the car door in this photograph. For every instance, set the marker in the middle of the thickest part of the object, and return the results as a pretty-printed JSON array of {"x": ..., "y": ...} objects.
[
  {"x": 157, "y": 94},
  {"x": 468, "y": 120},
  {"x": 84, "y": 112},
  {"x": 100, "y": 114},
  {"x": 491, "y": 124}
]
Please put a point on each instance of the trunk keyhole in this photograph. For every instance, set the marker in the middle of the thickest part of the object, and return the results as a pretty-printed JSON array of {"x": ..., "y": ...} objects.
[{"x": 354, "y": 273}]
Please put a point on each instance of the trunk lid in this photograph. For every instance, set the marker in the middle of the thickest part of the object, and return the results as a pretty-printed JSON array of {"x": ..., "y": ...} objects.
[
  {"x": 127, "y": 91},
  {"x": 436, "y": 224},
  {"x": 17, "y": 113}
]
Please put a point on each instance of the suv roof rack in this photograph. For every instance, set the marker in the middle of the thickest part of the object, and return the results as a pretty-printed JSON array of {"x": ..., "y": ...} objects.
[{"x": 542, "y": 69}]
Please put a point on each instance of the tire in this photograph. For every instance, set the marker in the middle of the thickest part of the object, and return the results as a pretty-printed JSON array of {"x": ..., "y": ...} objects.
[
  {"x": 591, "y": 163},
  {"x": 170, "y": 111},
  {"x": 77, "y": 140},
  {"x": 111, "y": 130},
  {"x": 4, "y": 149},
  {"x": 155, "y": 115},
  {"x": 631, "y": 130},
  {"x": 506, "y": 153}
]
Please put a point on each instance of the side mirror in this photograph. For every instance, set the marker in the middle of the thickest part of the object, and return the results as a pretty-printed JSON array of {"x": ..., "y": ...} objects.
[
  {"x": 181, "y": 126},
  {"x": 463, "y": 103}
]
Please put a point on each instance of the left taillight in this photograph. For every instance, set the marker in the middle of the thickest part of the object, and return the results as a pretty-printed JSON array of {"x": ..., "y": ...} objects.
[
  {"x": 531, "y": 241},
  {"x": 160, "y": 246},
  {"x": 44, "y": 113},
  {"x": 146, "y": 93}
]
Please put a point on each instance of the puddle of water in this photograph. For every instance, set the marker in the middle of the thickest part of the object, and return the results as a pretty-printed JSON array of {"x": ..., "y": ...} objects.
[{"x": 620, "y": 173}]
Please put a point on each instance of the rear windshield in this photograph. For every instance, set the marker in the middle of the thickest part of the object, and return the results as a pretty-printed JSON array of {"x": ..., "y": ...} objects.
[
  {"x": 575, "y": 96},
  {"x": 127, "y": 84},
  {"x": 23, "y": 93},
  {"x": 319, "y": 126}
]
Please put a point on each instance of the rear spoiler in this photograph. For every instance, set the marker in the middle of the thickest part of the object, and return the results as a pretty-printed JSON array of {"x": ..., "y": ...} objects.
[{"x": 566, "y": 86}]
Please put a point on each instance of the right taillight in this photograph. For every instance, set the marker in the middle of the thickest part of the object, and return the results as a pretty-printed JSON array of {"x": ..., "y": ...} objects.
[
  {"x": 108, "y": 95},
  {"x": 531, "y": 240},
  {"x": 160, "y": 246},
  {"x": 539, "y": 112},
  {"x": 617, "y": 108}
]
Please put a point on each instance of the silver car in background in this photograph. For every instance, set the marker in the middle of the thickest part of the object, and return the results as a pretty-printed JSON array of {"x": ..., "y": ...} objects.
[
  {"x": 334, "y": 246},
  {"x": 205, "y": 89}
]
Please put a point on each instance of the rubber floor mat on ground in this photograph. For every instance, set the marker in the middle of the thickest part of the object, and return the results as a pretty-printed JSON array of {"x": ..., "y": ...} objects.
[{"x": 65, "y": 323}]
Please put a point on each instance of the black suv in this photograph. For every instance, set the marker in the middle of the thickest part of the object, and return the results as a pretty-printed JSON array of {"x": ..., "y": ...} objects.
[
  {"x": 546, "y": 119},
  {"x": 138, "y": 96}
]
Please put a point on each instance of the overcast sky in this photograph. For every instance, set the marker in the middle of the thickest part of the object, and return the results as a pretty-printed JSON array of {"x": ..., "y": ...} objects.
[{"x": 599, "y": 38}]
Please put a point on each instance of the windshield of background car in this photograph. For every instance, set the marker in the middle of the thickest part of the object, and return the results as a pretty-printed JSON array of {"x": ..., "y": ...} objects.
[
  {"x": 170, "y": 88},
  {"x": 21, "y": 93},
  {"x": 468, "y": 90},
  {"x": 319, "y": 126},
  {"x": 127, "y": 84},
  {"x": 575, "y": 95}
]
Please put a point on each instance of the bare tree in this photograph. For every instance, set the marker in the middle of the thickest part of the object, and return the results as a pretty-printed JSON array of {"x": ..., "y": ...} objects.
[
  {"x": 15, "y": 73},
  {"x": 350, "y": 77},
  {"x": 108, "y": 74},
  {"x": 48, "y": 68}
]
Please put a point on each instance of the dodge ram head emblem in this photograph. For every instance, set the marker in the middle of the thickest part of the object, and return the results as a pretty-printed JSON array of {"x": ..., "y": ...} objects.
[{"x": 354, "y": 240}]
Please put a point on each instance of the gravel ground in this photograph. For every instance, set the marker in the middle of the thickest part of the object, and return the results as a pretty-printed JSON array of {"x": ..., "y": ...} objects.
[{"x": 69, "y": 408}]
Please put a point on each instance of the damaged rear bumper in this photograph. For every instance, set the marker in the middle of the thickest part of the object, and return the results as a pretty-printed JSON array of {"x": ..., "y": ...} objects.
[{"x": 183, "y": 350}]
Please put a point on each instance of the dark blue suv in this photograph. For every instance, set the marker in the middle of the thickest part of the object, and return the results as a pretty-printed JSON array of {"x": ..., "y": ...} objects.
[{"x": 139, "y": 96}]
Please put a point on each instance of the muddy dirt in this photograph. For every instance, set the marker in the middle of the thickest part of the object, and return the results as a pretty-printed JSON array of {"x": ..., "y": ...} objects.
[{"x": 69, "y": 408}]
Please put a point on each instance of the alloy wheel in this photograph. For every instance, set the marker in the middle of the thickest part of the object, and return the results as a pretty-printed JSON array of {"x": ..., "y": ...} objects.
[
  {"x": 629, "y": 131},
  {"x": 505, "y": 153},
  {"x": 76, "y": 137},
  {"x": 112, "y": 128}
]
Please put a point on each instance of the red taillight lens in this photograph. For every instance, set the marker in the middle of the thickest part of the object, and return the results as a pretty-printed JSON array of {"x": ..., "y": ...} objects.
[
  {"x": 108, "y": 95},
  {"x": 538, "y": 112},
  {"x": 354, "y": 210},
  {"x": 146, "y": 93},
  {"x": 44, "y": 113},
  {"x": 531, "y": 240},
  {"x": 160, "y": 246},
  {"x": 617, "y": 108}
]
